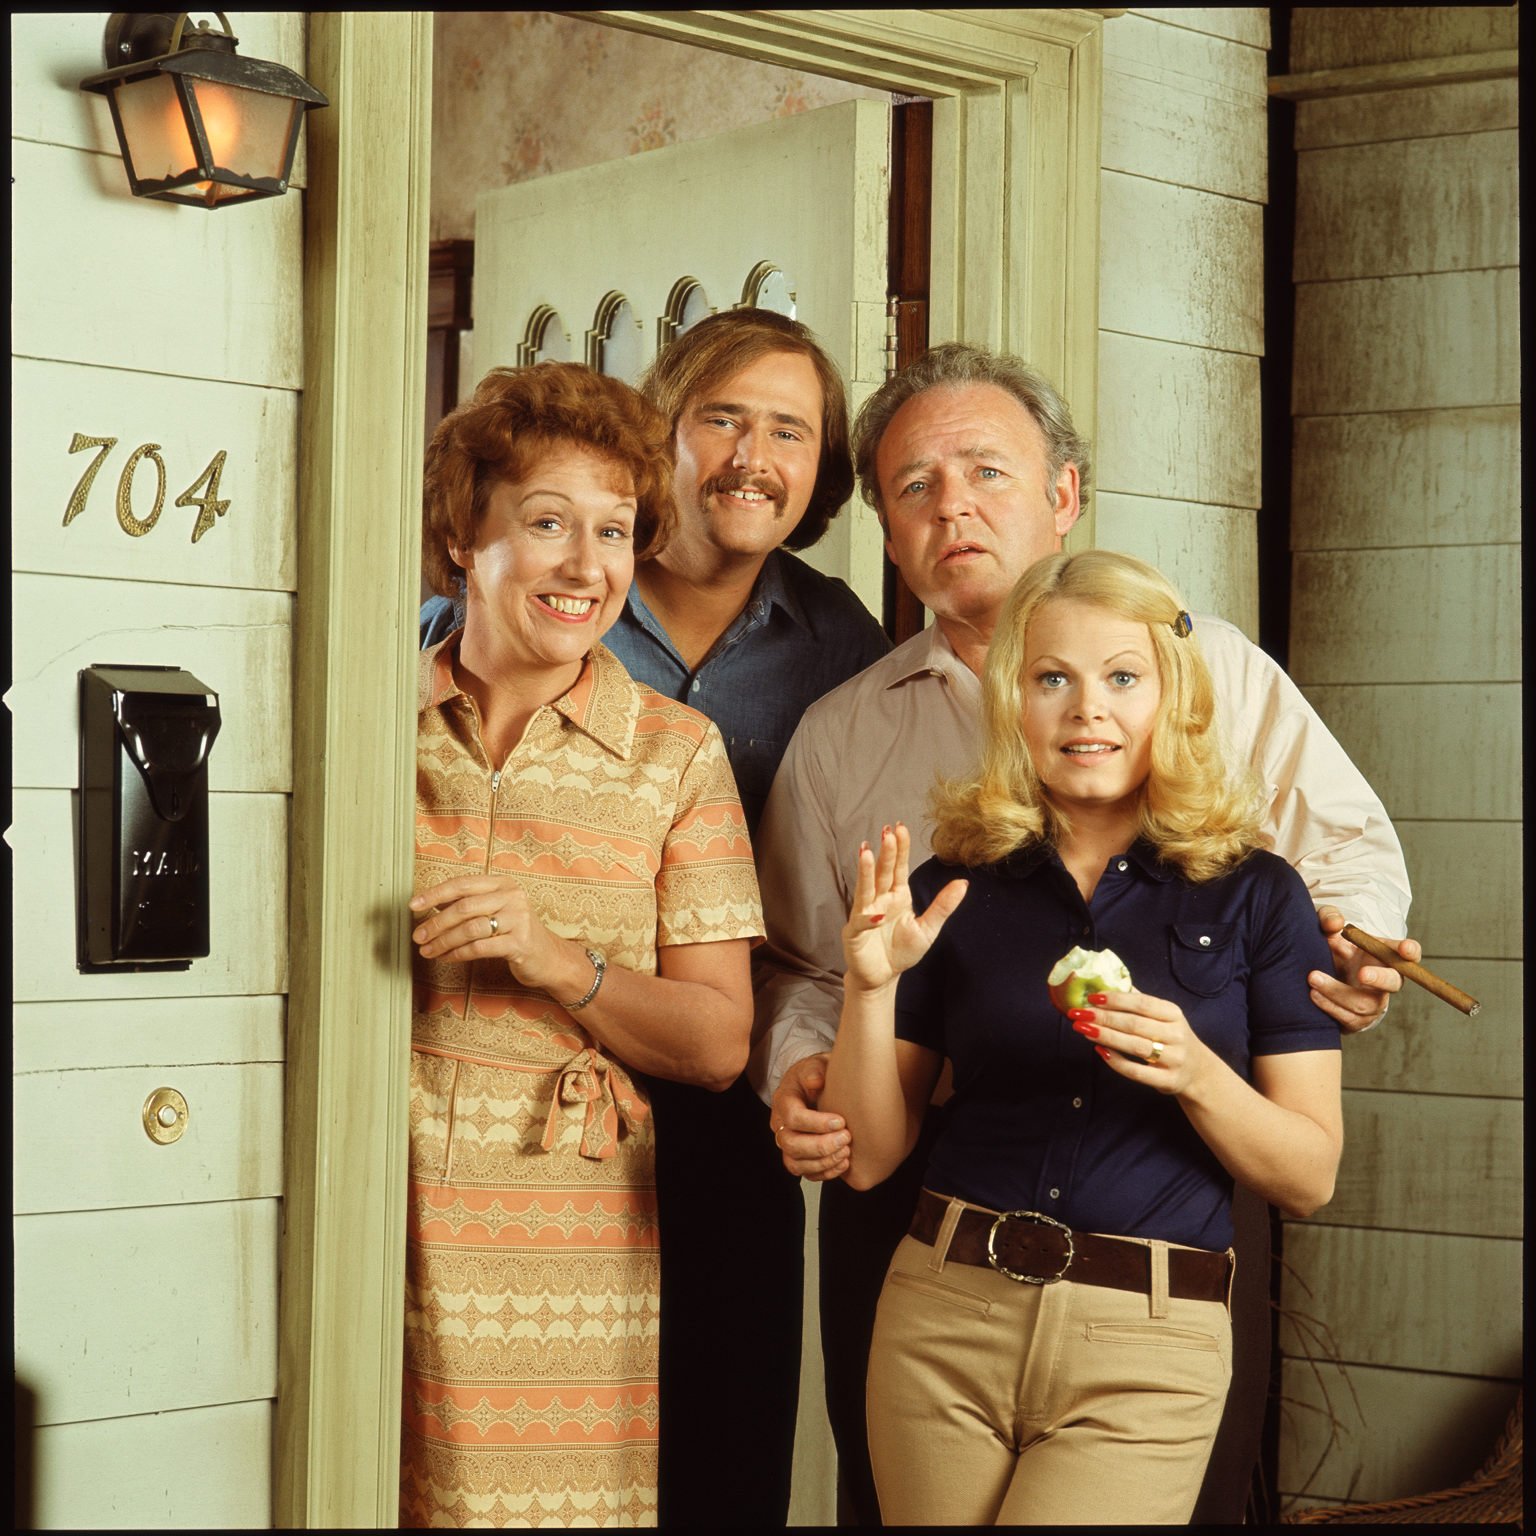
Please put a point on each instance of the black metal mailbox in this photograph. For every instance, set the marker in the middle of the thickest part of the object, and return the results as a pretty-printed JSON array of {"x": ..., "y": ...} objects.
[{"x": 145, "y": 735}]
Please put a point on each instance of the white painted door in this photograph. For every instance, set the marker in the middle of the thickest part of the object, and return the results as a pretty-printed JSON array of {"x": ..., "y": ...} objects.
[{"x": 601, "y": 264}]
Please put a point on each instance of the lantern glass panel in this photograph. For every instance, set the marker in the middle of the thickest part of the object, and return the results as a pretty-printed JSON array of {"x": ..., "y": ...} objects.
[
  {"x": 248, "y": 131},
  {"x": 154, "y": 128}
]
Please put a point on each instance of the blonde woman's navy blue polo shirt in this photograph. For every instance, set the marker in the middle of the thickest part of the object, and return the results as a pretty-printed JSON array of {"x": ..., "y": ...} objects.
[{"x": 1038, "y": 1121}]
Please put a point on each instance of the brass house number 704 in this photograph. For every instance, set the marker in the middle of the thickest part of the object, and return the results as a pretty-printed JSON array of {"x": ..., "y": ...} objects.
[{"x": 208, "y": 503}]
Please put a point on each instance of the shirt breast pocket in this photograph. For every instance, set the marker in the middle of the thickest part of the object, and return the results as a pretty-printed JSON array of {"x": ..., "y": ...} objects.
[
  {"x": 1202, "y": 956},
  {"x": 754, "y": 761}
]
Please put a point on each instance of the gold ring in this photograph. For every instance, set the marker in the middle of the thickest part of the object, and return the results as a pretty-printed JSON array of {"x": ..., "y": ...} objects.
[
  {"x": 1155, "y": 1055},
  {"x": 495, "y": 926}
]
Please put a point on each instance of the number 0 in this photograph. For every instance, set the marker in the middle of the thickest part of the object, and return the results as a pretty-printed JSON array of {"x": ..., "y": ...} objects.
[{"x": 131, "y": 524}]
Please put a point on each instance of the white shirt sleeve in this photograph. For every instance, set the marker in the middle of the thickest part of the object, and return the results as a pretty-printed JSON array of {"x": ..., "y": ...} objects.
[{"x": 1322, "y": 816}]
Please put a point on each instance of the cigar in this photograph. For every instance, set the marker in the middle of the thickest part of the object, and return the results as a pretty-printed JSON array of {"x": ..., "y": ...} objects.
[{"x": 1379, "y": 949}]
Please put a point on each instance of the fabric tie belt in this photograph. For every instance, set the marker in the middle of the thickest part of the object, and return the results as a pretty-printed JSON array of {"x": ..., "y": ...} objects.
[
  {"x": 1026, "y": 1246},
  {"x": 604, "y": 1095}
]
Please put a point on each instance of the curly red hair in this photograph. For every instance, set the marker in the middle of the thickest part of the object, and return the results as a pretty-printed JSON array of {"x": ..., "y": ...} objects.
[{"x": 514, "y": 418}]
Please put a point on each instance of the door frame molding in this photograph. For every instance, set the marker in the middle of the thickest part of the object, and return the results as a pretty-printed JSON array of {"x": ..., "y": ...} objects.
[{"x": 1014, "y": 266}]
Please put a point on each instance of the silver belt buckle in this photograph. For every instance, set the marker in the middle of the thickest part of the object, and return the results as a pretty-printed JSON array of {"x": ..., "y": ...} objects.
[{"x": 1040, "y": 1221}]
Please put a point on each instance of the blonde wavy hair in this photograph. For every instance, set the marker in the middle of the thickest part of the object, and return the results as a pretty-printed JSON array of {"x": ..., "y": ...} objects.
[{"x": 1200, "y": 812}]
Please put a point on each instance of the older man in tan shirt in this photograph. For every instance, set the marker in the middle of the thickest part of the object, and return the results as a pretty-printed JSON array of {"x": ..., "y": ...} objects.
[{"x": 976, "y": 471}]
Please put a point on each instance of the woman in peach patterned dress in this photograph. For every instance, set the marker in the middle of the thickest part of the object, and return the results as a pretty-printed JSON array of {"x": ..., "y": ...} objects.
[{"x": 585, "y": 905}]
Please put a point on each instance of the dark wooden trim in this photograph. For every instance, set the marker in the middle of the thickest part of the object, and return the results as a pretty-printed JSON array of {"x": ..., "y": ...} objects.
[
  {"x": 450, "y": 275},
  {"x": 911, "y": 227}
]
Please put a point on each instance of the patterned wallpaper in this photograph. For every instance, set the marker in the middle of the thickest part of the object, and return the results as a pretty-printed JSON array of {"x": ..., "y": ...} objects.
[{"x": 521, "y": 94}]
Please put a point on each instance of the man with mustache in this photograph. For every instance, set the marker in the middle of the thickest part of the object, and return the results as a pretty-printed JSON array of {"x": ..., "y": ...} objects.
[
  {"x": 726, "y": 620},
  {"x": 974, "y": 466}
]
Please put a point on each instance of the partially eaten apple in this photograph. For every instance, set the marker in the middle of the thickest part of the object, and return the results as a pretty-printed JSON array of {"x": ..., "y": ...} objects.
[{"x": 1080, "y": 972}]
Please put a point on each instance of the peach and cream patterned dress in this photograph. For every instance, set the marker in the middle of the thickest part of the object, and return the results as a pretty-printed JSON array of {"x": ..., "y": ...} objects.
[{"x": 531, "y": 1245}]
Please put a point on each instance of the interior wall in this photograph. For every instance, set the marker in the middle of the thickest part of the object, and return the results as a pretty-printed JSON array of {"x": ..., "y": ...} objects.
[
  {"x": 146, "y": 1275},
  {"x": 520, "y": 94},
  {"x": 1403, "y": 1297}
]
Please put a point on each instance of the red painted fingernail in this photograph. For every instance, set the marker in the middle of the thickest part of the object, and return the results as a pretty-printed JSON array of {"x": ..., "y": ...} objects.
[
  {"x": 1084, "y": 1015},
  {"x": 1101, "y": 998},
  {"x": 1101, "y": 1052},
  {"x": 879, "y": 917},
  {"x": 1091, "y": 1030}
]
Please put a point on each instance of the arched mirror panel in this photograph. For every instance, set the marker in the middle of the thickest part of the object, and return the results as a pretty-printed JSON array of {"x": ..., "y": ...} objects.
[
  {"x": 545, "y": 339},
  {"x": 687, "y": 304},
  {"x": 616, "y": 342},
  {"x": 768, "y": 287}
]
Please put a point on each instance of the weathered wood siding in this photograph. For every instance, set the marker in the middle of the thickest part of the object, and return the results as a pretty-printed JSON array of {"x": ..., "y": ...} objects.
[
  {"x": 1403, "y": 1299},
  {"x": 1181, "y": 319},
  {"x": 146, "y": 1275}
]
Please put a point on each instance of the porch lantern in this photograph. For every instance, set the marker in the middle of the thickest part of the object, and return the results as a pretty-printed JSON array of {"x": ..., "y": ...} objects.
[{"x": 198, "y": 124}]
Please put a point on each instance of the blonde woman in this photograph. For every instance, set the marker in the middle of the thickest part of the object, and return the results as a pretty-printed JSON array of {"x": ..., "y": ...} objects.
[{"x": 1053, "y": 1343}]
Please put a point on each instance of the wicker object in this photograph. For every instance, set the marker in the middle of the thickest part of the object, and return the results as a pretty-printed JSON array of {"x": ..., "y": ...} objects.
[{"x": 1492, "y": 1496}]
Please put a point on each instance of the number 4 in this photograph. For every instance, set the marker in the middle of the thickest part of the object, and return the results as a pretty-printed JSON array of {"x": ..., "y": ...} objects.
[{"x": 209, "y": 503}]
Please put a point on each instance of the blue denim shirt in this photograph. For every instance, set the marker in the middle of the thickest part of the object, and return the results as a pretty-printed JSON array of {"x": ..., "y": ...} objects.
[{"x": 799, "y": 636}]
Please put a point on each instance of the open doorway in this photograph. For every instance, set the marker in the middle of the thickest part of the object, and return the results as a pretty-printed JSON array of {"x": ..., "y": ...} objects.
[{"x": 522, "y": 97}]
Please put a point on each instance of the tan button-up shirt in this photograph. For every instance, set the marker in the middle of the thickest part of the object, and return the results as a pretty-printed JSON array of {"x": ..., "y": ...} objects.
[
  {"x": 616, "y": 813},
  {"x": 867, "y": 755}
]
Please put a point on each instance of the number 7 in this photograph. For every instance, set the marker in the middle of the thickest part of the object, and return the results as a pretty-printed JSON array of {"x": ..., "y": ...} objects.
[{"x": 79, "y": 444}]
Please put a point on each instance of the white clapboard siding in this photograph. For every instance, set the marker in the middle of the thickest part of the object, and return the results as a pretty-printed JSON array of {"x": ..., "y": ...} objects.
[
  {"x": 1178, "y": 265},
  {"x": 248, "y": 848},
  {"x": 1178, "y": 423},
  {"x": 1412, "y": 741},
  {"x": 143, "y": 1310},
  {"x": 1455, "y": 341},
  {"x": 1338, "y": 37},
  {"x": 80, "y": 1143},
  {"x": 1241, "y": 23},
  {"x": 1412, "y": 1300},
  {"x": 1183, "y": 107},
  {"x": 252, "y": 544},
  {"x": 1426, "y": 1046},
  {"x": 146, "y": 1032},
  {"x": 1401, "y": 478},
  {"x": 1413, "y": 205},
  {"x": 204, "y": 1469},
  {"x": 1467, "y": 887},
  {"x": 1433, "y": 615},
  {"x": 62, "y": 47},
  {"x": 1400, "y": 1433},
  {"x": 1430, "y": 1163},
  {"x": 236, "y": 643},
  {"x": 1208, "y": 553},
  {"x": 208, "y": 296},
  {"x": 1467, "y": 106}
]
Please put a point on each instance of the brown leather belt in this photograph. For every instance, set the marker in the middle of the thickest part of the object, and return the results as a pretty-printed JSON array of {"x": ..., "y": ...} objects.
[{"x": 1024, "y": 1245}]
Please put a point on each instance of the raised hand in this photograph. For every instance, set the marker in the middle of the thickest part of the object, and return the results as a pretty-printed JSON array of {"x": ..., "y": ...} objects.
[{"x": 883, "y": 936}]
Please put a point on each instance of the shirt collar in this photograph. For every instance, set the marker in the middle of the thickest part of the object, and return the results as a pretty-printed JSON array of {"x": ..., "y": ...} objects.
[
  {"x": 771, "y": 587},
  {"x": 1023, "y": 862},
  {"x": 934, "y": 658},
  {"x": 601, "y": 703}
]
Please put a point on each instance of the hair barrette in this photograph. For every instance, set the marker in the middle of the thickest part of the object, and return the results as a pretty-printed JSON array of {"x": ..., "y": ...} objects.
[{"x": 1183, "y": 625}]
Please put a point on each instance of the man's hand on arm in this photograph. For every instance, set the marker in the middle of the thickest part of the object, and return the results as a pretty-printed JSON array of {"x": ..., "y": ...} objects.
[
  {"x": 814, "y": 1145},
  {"x": 1358, "y": 996}
]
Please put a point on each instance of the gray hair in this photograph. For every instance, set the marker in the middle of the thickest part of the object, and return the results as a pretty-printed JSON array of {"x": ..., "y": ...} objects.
[{"x": 953, "y": 365}]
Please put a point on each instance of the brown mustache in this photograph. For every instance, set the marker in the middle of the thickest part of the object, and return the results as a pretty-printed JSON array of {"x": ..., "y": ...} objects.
[{"x": 744, "y": 483}]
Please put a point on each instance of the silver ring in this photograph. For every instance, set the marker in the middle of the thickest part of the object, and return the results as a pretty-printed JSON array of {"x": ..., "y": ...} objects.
[
  {"x": 495, "y": 926},
  {"x": 1155, "y": 1055}
]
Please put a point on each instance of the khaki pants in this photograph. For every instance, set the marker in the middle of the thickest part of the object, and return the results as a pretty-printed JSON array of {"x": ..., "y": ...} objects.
[{"x": 992, "y": 1402}]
